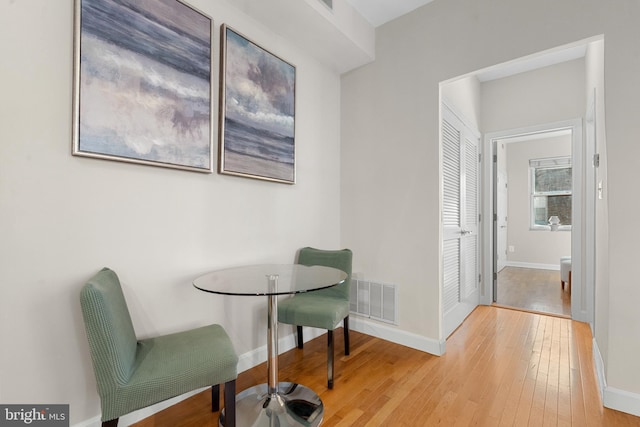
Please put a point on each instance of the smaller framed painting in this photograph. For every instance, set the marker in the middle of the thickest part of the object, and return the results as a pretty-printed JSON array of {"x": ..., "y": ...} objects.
[
  {"x": 257, "y": 111},
  {"x": 142, "y": 83}
]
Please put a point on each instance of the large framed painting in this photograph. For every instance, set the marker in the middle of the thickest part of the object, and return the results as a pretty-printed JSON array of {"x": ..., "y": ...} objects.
[
  {"x": 142, "y": 86},
  {"x": 257, "y": 111}
]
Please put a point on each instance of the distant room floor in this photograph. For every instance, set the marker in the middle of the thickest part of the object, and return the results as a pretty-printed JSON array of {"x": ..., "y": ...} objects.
[{"x": 533, "y": 289}]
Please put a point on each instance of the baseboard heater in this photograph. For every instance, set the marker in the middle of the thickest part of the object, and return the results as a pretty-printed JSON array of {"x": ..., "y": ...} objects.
[{"x": 378, "y": 301}]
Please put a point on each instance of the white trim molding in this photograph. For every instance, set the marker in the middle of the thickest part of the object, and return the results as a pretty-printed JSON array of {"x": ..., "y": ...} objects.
[
  {"x": 614, "y": 398},
  {"x": 398, "y": 336},
  {"x": 532, "y": 265},
  {"x": 622, "y": 400},
  {"x": 141, "y": 414},
  {"x": 599, "y": 367}
]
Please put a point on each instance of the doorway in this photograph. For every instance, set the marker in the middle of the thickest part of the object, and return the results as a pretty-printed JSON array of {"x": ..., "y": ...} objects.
[
  {"x": 507, "y": 95},
  {"x": 526, "y": 274},
  {"x": 532, "y": 184}
]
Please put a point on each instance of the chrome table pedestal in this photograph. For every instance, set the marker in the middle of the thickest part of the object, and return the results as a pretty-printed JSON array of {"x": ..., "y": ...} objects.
[
  {"x": 276, "y": 404},
  {"x": 290, "y": 405},
  {"x": 273, "y": 404}
]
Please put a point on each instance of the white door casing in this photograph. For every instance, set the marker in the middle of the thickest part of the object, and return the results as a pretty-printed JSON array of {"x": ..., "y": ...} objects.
[{"x": 501, "y": 219}]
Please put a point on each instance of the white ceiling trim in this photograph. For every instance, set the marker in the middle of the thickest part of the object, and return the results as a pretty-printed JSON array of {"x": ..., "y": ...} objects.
[{"x": 532, "y": 62}]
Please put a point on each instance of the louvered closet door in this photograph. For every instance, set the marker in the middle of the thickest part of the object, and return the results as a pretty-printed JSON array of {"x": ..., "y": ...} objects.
[{"x": 461, "y": 171}]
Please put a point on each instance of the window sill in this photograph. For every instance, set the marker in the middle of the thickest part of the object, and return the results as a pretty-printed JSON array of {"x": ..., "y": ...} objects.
[{"x": 547, "y": 228}]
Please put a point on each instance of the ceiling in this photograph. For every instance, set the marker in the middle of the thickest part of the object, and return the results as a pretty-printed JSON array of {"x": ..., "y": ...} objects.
[
  {"x": 344, "y": 47},
  {"x": 378, "y": 12}
]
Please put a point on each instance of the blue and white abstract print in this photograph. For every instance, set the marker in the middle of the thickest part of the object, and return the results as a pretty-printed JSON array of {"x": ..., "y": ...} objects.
[
  {"x": 259, "y": 126},
  {"x": 145, "y": 72}
]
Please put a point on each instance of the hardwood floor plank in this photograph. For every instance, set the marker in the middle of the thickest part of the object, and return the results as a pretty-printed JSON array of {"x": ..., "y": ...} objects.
[
  {"x": 564, "y": 378},
  {"x": 502, "y": 367},
  {"x": 516, "y": 381}
]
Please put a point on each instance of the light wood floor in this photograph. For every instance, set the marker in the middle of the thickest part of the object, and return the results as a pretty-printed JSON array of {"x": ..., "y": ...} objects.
[
  {"x": 502, "y": 368},
  {"x": 534, "y": 290}
]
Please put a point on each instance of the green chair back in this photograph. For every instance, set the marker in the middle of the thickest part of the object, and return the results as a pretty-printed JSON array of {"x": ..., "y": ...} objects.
[
  {"x": 110, "y": 332},
  {"x": 340, "y": 259}
]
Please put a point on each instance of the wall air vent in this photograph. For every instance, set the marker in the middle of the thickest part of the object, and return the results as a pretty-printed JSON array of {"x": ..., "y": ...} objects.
[{"x": 378, "y": 301}]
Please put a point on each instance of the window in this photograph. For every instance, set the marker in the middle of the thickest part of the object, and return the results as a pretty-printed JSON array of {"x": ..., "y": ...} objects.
[{"x": 550, "y": 186}]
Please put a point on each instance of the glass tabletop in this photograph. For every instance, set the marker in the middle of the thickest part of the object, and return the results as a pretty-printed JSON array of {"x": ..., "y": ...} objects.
[{"x": 254, "y": 279}]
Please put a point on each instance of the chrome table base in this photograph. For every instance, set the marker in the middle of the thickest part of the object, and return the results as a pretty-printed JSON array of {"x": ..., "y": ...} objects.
[
  {"x": 276, "y": 404},
  {"x": 292, "y": 405}
]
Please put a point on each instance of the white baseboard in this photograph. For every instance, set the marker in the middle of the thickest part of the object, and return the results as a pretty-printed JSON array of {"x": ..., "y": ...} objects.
[
  {"x": 245, "y": 361},
  {"x": 259, "y": 355},
  {"x": 622, "y": 400},
  {"x": 387, "y": 333},
  {"x": 599, "y": 367},
  {"x": 140, "y": 414},
  {"x": 533, "y": 265},
  {"x": 613, "y": 398}
]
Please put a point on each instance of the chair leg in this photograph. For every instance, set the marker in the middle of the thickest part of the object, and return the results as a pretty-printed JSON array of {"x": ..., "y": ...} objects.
[
  {"x": 110, "y": 423},
  {"x": 230, "y": 404},
  {"x": 215, "y": 398},
  {"x": 330, "y": 359},
  {"x": 346, "y": 335},
  {"x": 300, "y": 337}
]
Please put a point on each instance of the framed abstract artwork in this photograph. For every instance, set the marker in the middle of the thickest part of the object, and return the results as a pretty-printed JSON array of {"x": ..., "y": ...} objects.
[
  {"x": 142, "y": 83},
  {"x": 257, "y": 111}
]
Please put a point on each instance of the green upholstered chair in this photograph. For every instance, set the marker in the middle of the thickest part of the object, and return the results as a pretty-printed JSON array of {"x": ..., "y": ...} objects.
[
  {"x": 324, "y": 308},
  {"x": 132, "y": 374}
]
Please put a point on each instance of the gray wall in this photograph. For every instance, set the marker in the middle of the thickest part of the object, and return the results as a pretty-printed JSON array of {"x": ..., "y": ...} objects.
[
  {"x": 390, "y": 141},
  {"x": 532, "y": 246},
  {"x": 62, "y": 218}
]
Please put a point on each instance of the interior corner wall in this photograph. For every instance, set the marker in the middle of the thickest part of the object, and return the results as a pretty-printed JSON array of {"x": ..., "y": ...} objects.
[
  {"x": 595, "y": 88},
  {"x": 62, "y": 218},
  {"x": 463, "y": 95},
  {"x": 390, "y": 145}
]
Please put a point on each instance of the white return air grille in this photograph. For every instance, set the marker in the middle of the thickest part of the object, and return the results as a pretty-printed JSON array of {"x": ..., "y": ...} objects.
[{"x": 377, "y": 301}]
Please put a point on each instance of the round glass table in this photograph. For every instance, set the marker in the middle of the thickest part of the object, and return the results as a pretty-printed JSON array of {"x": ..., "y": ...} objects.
[{"x": 273, "y": 403}]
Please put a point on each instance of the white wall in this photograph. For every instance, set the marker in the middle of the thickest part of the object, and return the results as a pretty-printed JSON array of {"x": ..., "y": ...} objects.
[
  {"x": 62, "y": 218},
  {"x": 390, "y": 209},
  {"x": 464, "y": 95},
  {"x": 534, "y": 247},
  {"x": 547, "y": 95}
]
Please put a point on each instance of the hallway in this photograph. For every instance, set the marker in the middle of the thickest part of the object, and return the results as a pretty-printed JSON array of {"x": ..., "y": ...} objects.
[{"x": 533, "y": 290}]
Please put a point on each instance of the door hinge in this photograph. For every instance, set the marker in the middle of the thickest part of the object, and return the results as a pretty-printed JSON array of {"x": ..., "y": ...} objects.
[
  {"x": 479, "y": 157},
  {"x": 479, "y": 217},
  {"x": 479, "y": 278},
  {"x": 495, "y": 217},
  {"x": 495, "y": 276},
  {"x": 596, "y": 160},
  {"x": 495, "y": 158}
]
